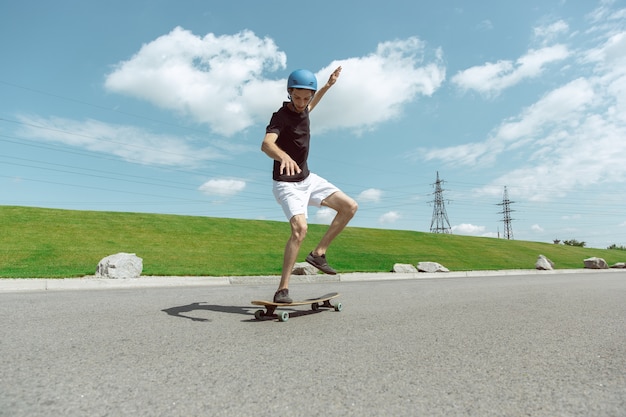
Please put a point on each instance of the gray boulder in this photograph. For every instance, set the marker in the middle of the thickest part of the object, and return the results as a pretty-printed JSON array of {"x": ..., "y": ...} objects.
[
  {"x": 619, "y": 265},
  {"x": 595, "y": 263},
  {"x": 120, "y": 266},
  {"x": 304, "y": 268},
  {"x": 544, "y": 264},
  {"x": 403, "y": 268},
  {"x": 431, "y": 267}
]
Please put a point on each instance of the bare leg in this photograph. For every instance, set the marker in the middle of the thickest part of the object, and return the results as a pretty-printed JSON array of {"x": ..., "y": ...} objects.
[
  {"x": 292, "y": 248},
  {"x": 346, "y": 208}
]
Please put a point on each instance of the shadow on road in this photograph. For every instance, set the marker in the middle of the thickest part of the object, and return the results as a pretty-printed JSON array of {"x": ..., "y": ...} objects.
[{"x": 183, "y": 311}]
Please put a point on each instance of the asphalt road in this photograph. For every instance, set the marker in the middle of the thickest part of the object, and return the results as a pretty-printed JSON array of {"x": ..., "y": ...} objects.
[{"x": 535, "y": 345}]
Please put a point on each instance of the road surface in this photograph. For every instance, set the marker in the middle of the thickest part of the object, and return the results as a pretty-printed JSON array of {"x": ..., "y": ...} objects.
[{"x": 534, "y": 345}]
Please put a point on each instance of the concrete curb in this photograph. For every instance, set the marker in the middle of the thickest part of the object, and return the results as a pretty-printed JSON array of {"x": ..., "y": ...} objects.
[{"x": 92, "y": 283}]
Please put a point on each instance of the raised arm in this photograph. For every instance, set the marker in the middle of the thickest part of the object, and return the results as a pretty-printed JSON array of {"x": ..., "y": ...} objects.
[{"x": 320, "y": 93}]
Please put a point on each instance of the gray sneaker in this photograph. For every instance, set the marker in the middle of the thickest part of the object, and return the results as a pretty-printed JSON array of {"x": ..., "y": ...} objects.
[
  {"x": 320, "y": 263},
  {"x": 282, "y": 296}
]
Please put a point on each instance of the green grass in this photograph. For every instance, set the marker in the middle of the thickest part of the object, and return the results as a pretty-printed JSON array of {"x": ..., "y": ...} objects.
[{"x": 50, "y": 243}]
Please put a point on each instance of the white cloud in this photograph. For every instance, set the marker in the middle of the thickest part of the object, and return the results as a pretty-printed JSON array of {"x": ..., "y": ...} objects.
[
  {"x": 466, "y": 154},
  {"x": 221, "y": 80},
  {"x": 370, "y": 195},
  {"x": 468, "y": 229},
  {"x": 127, "y": 142},
  {"x": 207, "y": 78},
  {"x": 570, "y": 138},
  {"x": 492, "y": 78},
  {"x": 610, "y": 56},
  {"x": 389, "y": 217},
  {"x": 547, "y": 34},
  {"x": 485, "y": 26},
  {"x": 560, "y": 109},
  {"x": 571, "y": 157},
  {"x": 572, "y": 217},
  {"x": 374, "y": 89},
  {"x": 536, "y": 228},
  {"x": 604, "y": 13},
  {"x": 224, "y": 187},
  {"x": 325, "y": 215}
]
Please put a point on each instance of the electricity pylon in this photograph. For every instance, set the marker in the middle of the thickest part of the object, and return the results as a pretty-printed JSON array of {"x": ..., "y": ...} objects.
[
  {"x": 506, "y": 212},
  {"x": 440, "y": 222}
]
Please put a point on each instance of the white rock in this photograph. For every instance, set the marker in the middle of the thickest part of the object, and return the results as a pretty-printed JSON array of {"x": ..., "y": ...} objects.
[
  {"x": 595, "y": 263},
  {"x": 544, "y": 264},
  {"x": 403, "y": 268},
  {"x": 120, "y": 266},
  {"x": 431, "y": 267},
  {"x": 304, "y": 268}
]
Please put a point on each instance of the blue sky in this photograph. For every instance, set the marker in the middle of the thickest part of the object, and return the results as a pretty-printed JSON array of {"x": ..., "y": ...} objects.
[{"x": 161, "y": 107}]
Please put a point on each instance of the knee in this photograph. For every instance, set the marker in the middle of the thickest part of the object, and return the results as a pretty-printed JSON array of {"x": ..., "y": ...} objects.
[
  {"x": 354, "y": 207},
  {"x": 351, "y": 208},
  {"x": 298, "y": 231}
]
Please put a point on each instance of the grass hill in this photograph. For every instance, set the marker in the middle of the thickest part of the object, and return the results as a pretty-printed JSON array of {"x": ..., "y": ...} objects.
[{"x": 53, "y": 243}]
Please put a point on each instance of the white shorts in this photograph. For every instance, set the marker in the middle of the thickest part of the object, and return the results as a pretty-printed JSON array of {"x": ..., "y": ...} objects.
[{"x": 295, "y": 197}]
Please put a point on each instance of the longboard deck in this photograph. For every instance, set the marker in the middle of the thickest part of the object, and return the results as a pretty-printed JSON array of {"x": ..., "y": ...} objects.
[
  {"x": 316, "y": 304},
  {"x": 328, "y": 296}
]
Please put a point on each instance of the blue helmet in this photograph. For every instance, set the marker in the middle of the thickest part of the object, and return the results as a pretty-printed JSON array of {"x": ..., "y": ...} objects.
[{"x": 302, "y": 78}]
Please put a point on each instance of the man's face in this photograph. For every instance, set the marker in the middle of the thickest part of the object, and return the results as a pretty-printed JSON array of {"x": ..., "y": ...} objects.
[{"x": 300, "y": 98}]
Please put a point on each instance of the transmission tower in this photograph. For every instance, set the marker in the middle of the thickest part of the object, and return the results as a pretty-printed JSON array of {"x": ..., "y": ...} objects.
[
  {"x": 506, "y": 212},
  {"x": 439, "y": 223}
]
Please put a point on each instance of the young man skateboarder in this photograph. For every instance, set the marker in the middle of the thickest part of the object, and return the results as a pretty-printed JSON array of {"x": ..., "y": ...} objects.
[{"x": 286, "y": 141}]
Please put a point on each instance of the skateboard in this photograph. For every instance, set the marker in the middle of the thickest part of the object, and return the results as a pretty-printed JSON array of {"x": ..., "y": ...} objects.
[{"x": 316, "y": 304}]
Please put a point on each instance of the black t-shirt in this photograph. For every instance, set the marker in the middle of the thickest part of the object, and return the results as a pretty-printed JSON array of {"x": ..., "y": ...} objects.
[{"x": 293, "y": 130}]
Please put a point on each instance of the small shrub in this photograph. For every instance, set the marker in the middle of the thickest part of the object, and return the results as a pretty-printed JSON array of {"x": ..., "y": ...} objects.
[{"x": 574, "y": 242}]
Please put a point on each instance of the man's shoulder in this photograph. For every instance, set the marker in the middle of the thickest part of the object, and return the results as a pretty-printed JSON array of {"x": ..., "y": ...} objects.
[
  {"x": 282, "y": 112},
  {"x": 284, "y": 108}
]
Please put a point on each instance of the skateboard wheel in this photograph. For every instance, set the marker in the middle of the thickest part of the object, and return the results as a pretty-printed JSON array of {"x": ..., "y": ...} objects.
[
  {"x": 259, "y": 314},
  {"x": 315, "y": 306},
  {"x": 338, "y": 307},
  {"x": 283, "y": 316}
]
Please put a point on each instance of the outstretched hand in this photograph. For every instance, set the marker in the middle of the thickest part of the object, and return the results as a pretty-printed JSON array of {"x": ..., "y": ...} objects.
[
  {"x": 320, "y": 93},
  {"x": 333, "y": 77}
]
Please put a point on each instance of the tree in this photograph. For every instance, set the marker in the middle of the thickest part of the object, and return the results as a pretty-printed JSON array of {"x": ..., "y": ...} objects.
[
  {"x": 614, "y": 246},
  {"x": 574, "y": 242}
]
